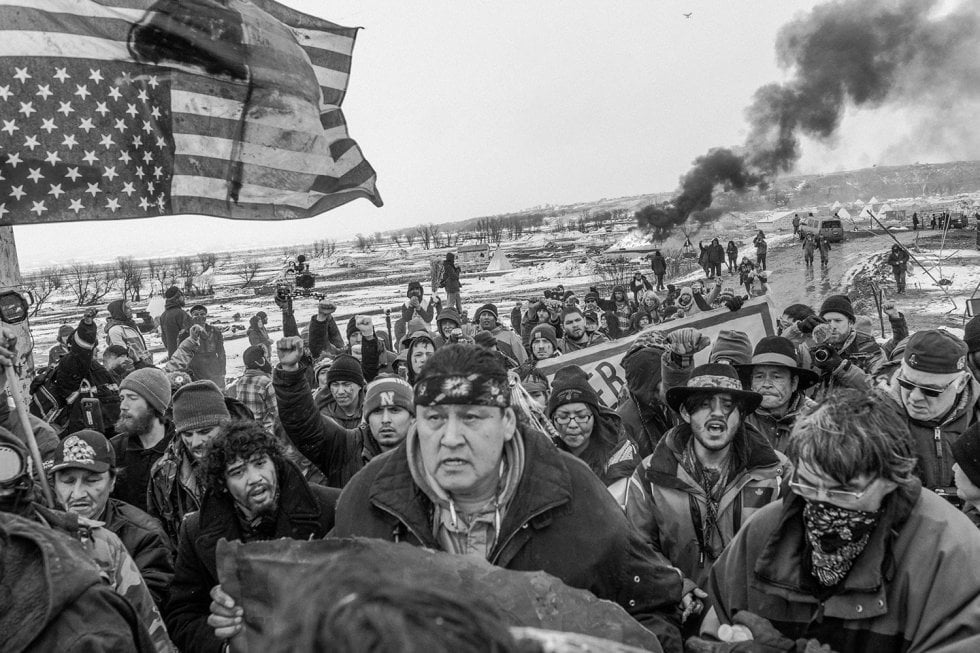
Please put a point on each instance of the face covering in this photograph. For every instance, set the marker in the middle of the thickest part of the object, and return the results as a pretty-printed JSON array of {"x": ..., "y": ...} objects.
[{"x": 837, "y": 536}]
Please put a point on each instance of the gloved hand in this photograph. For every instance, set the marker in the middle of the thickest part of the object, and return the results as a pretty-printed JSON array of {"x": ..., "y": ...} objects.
[
  {"x": 654, "y": 339},
  {"x": 733, "y": 304},
  {"x": 825, "y": 358},
  {"x": 807, "y": 325},
  {"x": 197, "y": 332},
  {"x": 684, "y": 343}
]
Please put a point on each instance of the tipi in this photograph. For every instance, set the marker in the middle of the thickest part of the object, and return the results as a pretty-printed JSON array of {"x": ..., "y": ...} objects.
[{"x": 499, "y": 262}]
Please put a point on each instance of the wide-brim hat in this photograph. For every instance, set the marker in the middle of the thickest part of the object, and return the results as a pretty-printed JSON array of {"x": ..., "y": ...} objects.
[
  {"x": 779, "y": 352},
  {"x": 714, "y": 378}
]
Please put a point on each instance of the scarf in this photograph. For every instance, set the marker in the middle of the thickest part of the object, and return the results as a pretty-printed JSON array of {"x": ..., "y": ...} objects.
[
  {"x": 836, "y": 536},
  {"x": 713, "y": 482}
]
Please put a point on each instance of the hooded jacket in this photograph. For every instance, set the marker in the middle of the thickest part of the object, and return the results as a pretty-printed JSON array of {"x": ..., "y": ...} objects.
[
  {"x": 174, "y": 321},
  {"x": 450, "y": 275},
  {"x": 122, "y": 331},
  {"x": 668, "y": 505},
  {"x": 658, "y": 264},
  {"x": 610, "y": 454},
  {"x": 560, "y": 520},
  {"x": 777, "y": 429},
  {"x": 53, "y": 597},
  {"x": 147, "y": 544},
  {"x": 305, "y": 512},
  {"x": 914, "y": 588},
  {"x": 645, "y": 417},
  {"x": 423, "y": 311}
]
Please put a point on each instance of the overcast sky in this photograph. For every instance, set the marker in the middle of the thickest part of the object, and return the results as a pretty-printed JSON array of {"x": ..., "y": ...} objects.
[{"x": 468, "y": 108}]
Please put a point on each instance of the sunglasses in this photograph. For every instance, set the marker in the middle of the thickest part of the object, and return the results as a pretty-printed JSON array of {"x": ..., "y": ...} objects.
[{"x": 925, "y": 390}]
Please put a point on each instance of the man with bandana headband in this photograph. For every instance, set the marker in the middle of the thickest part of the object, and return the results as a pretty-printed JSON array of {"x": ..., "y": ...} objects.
[
  {"x": 859, "y": 557},
  {"x": 470, "y": 481}
]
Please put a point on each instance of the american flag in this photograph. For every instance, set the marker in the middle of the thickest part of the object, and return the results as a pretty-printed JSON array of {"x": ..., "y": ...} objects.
[{"x": 113, "y": 109}]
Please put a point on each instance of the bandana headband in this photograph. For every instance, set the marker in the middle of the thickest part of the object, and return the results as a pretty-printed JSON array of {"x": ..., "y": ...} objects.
[{"x": 469, "y": 389}]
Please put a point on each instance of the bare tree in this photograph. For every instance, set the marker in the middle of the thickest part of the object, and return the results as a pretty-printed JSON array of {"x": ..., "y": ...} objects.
[
  {"x": 161, "y": 270},
  {"x": 329, "y": 248},
  {"x": 247, "y": 270},
  {"x": 43, "y": 284},
  {"x": 363, "y": 242},
  {"x": 90, "y": 283},
  {"x": 410, "y": 237},
  {"x": 207, "y": 260},
  {"x": 396, "y": 238},
  {"x": 131, "y": 272},
  {"x": 614, "y": 271},
  {"x": 379, "y": 238},
  {"x": 185, "y": 271}
]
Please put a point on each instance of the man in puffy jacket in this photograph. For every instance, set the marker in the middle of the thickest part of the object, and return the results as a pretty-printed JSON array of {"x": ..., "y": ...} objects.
[{"x": 508, "y": 342}]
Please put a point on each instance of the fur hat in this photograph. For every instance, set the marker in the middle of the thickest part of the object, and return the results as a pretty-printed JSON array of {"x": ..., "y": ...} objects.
[
  {"x": 152, "y": 384},
  {"x": 172, "y": 292}
]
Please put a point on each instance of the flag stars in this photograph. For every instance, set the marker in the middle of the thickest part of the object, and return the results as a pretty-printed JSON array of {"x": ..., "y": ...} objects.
[
  {"x": 95, "y": 75},
  {"x": 129, "y": 189},
  {"x": 90, "y": 157},
  {"x": 112, "y": 205},
  {"x": 38, "y": 208},
  {"x": 81, "y": 90},
  {"x": 137, "y": 141},
  {"x": 56, "y": 191},
  {"x": 44, "y": 91},
  {"x": 31, "y": 142},
  {"x": 70, "y": 142},
  {"x": 61, "y": 74},
  {"x": 86, "y": 124},
  {"x": 155, "y": 112},
  {"x": 125, "y": 78},
  {"x": 13, "y": 159},
  {"x": 9, "y": 126},
  {"x": 121, "y": 125},
  {"x": 110, "y": 172},
  {"x": 22, "y": 74},
  {"x": 65, "y": 108},
  {"x": 73, "y": 173},
  {"x": 157, "y": 171},
  {"x": 17, "y": 192},
  {"x": 107, "y": 141},
  {"x": 101, "y": 109},
  {"x": 48, "y": 125},
  {"x": 52, "y": 158},
  {"x": 35, "y": 175},
  {"x": 132, "y": 110},
  {"x": 147, "y": 156},
  {"x": 125, "y": 157},
  {"x": 93, "y": 189},
  {"x": 76, "y": 206},
  {"x": 161, "y": 142},
  {"x": 147, "y": 127},
  {"x": 150, "y": 187},
  {"x": 144, "y": 204},
  {"x": 27, "y": 108},
  {"x": 114, "y": 93},
  {"x": 142, "y": 95},
  {"x": 139, "y": 172},
  {"x": 5, "y": 92},
  {"x": 153, "y": 82}
]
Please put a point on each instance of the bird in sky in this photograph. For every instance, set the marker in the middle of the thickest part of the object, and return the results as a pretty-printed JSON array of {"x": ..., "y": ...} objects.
[{"x": 688, "y": 15}]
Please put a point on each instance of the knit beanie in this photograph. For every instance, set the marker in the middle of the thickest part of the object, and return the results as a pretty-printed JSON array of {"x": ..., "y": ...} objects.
[
  {"x": 255, "y": 359},
  {"x": 86, "y": 336},
  {"x": 172, "y": 292},
  {"x": 966, "y": 453},
  {"x": 150, "y": 383},
  {"x": 199, "y": 405},
  {"x": 545, "y": 331},
  {"x": 388, "y": 390},
  {"x": 733, "y": 345},
  {"x": 345, "y": 368},
  {"x": 487, "y": 307},
  {"x": 971, "y": 334},
  {"x": 837, "y": 304},
  {"x": 571, "y": 385},
  {"x": 415, "y": 325}
]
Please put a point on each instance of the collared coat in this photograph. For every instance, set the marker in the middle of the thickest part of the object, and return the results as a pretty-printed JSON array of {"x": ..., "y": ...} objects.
[
  {"x": 147, "y": 544},
  {"x": 914, "y": 588},
  {"x": 561, "y": 520}
]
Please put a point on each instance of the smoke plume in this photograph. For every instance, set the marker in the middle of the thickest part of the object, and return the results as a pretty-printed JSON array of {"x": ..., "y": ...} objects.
[{"x": 855, "y": 53}]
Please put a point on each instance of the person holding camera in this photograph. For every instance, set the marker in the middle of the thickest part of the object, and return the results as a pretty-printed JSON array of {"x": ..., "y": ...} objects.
[{"x": 847, "y": 346}]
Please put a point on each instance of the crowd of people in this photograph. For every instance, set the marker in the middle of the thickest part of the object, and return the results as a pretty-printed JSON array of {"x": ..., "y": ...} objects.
[{"x": 813, "y": 487}]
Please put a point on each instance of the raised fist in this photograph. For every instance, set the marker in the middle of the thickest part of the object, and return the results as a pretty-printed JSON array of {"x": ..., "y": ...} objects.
[
  {"x": 365, "y": 326},
  {"x": 290, "y": 351}
]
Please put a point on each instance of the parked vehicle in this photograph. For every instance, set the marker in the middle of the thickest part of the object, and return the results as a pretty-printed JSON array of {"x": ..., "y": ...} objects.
[{"x": 831, "y": 228}]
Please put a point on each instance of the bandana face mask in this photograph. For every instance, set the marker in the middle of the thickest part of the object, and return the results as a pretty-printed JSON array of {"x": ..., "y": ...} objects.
[{"x": 837, "y": 536}]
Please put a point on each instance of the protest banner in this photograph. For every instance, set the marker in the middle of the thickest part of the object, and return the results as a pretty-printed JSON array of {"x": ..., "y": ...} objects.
[{"x": 756, "y": 318}]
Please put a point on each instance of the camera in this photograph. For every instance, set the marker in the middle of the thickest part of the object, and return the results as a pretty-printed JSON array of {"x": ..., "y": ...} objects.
[
  {"x": 822, "y": 353},
  {"x": 455, "y": 335}
]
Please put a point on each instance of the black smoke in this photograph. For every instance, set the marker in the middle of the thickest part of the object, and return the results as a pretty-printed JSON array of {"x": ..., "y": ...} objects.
[{"x": 855, "y": 53}]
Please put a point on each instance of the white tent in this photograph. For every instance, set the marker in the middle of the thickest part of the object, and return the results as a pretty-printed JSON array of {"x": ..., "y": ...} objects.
[
  {"x": 873, "y": 201},
  {"x": 843, "y": 214},
  {"x": 499, "y": 262},
  {"x": 885, "y": 208},
  {"x": 836, "y": 206}
]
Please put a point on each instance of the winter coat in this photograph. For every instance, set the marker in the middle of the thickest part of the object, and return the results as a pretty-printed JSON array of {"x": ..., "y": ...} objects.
[
  {"x": 668, "y": 505},
  {"x": 610, "y": 454},
  {"x": 777, "y": 429},
  {"x": 561, "y": 520},
  {"x": 898, "y": 260},
  {"x": 716, "y": 253},
  {"x": 70, "y": 608},
  {"x": 147, "y": 543},
  {"x": 914, "y": 588},
  {"x": 932, "y": 441},
  {"x": 254, "y": 389},
  {"x": 338, "y": 452},
  {"x": 824, "y": 245},
  {"x": 704, "y": 257},
  {"x": 134, "y": 463},
  {"x": 509, "y": 344},
  {"x": 325, "y": 337},
  {"x": 329, "y": 407},
  {"x": 305, "y": 512},
  {"x": 174, "y": 321},
  {"x": 623, "y": 308},
  {"x": 450, "y": 276},
  {"x": 645, "y": 417},
  {"x": 122, "y": 331},
  {"x": 639, "y": 286},
  {"x": 78, "y": 365},
  {"x": 732, "y": 251},
  {"x": 567, "y": 346},
  {"x": 258, "y": 334},
  {"x": 760, "y": 244},
  {"x": 658, "y": 264},
  {"x": 863, "y": 351},
  {"x": 173, "y": 490},
  {"x": 209, "y": 359}
]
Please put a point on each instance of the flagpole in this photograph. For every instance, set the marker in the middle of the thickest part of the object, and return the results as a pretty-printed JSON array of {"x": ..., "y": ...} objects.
[{"x": 10, "y": 280}]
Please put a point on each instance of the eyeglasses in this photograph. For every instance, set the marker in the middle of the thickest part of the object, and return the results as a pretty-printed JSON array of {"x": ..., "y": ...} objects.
[
  {"x": 925, "y": 390},
  {"x": 579, "y": 419},
  {"x": 811, "y": 492}
]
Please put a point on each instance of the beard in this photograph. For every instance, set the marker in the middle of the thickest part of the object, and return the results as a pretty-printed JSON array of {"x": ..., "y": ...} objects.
[{"x": 135, "y": 425}]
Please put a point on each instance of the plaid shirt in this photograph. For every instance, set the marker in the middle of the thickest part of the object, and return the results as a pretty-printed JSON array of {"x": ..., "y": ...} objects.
[{"x": 254, "y": 389}]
